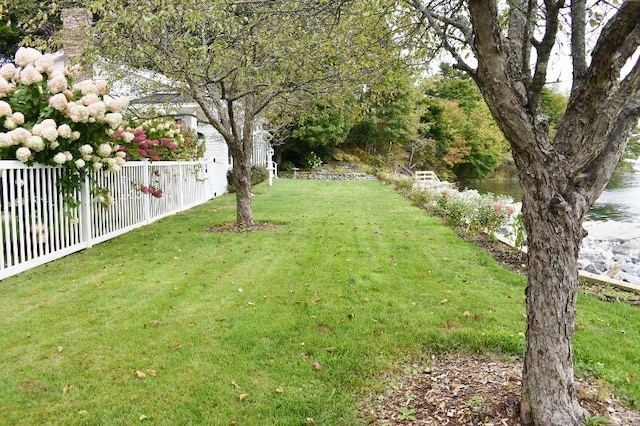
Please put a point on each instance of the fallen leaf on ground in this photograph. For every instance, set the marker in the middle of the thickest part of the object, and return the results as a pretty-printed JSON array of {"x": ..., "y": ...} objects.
[
  {"x": 316, "y": 365},
  {"x": 140, "y": 374},
  {"x": 280, "y": 389},
  {"x": 60, "y": 349},
  {"x": 152, "y": 373},
  {"x": 67, "y": 389},
  {"x": 243, "y": 396}
]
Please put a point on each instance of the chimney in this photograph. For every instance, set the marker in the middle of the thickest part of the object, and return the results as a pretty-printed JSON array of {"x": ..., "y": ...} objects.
[{"x": 76, "y": 24}]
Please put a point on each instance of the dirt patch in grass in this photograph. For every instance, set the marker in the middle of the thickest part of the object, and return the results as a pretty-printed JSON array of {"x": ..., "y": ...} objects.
[
  {"x": 505, "y": 255},
  {"x": 234, "y": 227},
  {"x": 458, "y": 390}
]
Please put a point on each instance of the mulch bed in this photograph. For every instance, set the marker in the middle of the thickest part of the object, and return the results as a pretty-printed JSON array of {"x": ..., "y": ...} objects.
[
  {"x": 458, "y": 390},
  {"x": 233, "y": 227}
]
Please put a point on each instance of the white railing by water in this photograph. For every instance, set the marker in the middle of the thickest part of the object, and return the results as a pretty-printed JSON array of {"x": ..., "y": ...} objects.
[
  {"x": 425, "y": 176},
  {"x": 37, "y": 226}
]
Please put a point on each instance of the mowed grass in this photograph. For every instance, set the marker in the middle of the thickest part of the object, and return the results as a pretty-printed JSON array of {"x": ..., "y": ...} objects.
[{"x": 227, "y": 327}]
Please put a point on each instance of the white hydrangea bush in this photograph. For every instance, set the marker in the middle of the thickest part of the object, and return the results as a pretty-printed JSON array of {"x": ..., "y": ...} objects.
[{"x": 46, "y": 118}]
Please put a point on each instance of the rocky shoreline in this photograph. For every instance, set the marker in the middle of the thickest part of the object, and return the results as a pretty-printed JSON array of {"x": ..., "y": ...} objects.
[
  {"x": 616, "y": 257},
  {"x": 611, "y": 249}
]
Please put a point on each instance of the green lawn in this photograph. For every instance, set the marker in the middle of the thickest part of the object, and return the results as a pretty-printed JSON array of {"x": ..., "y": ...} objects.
[{"x": 227, "y": 327}]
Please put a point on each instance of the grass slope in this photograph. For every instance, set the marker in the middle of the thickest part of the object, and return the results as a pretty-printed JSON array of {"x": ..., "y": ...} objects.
[{"x": 227, "y": 327}]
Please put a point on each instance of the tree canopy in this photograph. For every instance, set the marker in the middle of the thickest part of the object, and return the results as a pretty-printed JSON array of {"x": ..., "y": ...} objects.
[{"x": 239, "y": 59}]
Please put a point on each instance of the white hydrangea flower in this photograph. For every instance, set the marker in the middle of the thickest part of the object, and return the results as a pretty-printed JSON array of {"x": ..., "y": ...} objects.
[
  {"x": 9, "y": 123},
  {"x": 6, "y": 88},
  {"x": 121, "y": 154},
  {"x": 58, "y": 102},
  {"x": 97, "y": 165},
  {"x": 30, "y": 75},
  {"x": 5, "y": 140},
  {"x": 114, "y": 119},
  {"x": 77, "y": 113},
  {"x": 49, "y": 133},
  {"x": 18, "y": 118},
  {"x": 127, "y": 136},
  {"x": 44, "y": 63},
  {"x": 5, "y": 109},
  {"x": 23, "y": 154},
  {"x": 86, "y": 149},
  {"x": 115, "y": 168},
  {"x": 85, "y": 87},
  {"x": 120, "y": 161},
  {"x": 80, "y": 163},
  {"x": 35, "y": 142},
  {"x": 57, "y": 84},
  {"x": 97, "y": 109},
  {"x": 38, "y": 144},
  {"x": 60, "y": 158},
  {"x": 19, "y": 136},
  {"x": 118, "y": 104},
  {"x": 75, "y": 135},
  {"x": 8, "y": 71},
  {"x": 104, "y": 150},
  {"x": 54, "y": 144},
  {"x": 49, "y": 122},
  {"x": 64, "y": 131},
  {"x": 89, "y": 99},
  {"x": 68, "y": 155},
  {"x": 26, "y": 56}
]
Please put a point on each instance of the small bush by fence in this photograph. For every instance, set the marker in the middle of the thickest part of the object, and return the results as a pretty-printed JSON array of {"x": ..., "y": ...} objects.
[{"x": 37, "y": 226}]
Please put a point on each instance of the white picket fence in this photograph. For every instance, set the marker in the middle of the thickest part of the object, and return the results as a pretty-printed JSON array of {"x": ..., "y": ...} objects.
[{"x": 36, "y": 226}]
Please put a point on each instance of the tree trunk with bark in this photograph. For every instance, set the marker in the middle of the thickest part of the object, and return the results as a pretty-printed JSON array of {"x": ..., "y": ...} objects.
[
  {"x": 553, "y": 214},
  {"x": 241, "y": 148},
  {"x": 242, "y": 179}
]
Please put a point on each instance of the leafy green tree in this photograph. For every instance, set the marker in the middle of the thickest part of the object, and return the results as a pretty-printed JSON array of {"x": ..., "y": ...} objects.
[
  {"x": 241, "y": 59},
  {"x": 562, "y": 173},
  {"x": 320, "y": 129},
  {"x": 35, "y": 22},
  {"x": 554, "y": 105},
  {"x": 472, "y": 145},
  {"x": 389, "y": 117}
]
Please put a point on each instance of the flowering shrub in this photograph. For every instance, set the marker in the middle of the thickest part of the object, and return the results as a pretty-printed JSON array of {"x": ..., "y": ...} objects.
[
  {"x": 461, "y": 209},
  {"x": 45, "y": 118},
  {"x": 159, "y": 139}
]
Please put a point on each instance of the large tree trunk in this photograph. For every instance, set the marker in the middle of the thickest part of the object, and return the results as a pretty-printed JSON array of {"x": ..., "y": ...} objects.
[
  {"x": 241, "y": 152},
  {"x": 242, "y": 178},
  {"x": 553, "y": 219}
]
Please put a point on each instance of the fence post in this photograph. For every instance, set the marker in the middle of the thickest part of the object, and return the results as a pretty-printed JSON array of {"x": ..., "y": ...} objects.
[
  {"x": 146, "y": 165},
  {"x": 181, "y": 186},
  {"x": 85, "y": 211}
]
